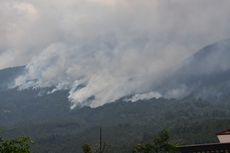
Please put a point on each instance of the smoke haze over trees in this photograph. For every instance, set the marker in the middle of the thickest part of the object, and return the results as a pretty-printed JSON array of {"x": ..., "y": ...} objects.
[{"x": 102, "y": 50}]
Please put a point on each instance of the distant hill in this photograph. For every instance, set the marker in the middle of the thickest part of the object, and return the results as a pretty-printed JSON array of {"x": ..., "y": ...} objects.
[{"x": 204, "y": 75}]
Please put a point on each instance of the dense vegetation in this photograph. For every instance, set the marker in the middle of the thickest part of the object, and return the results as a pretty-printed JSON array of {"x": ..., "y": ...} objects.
[
  {"x": 15, "y": 145},
  {"x": 54, "y": 128}
]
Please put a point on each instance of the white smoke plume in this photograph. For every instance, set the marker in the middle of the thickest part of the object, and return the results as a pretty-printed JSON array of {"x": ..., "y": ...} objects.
[
  {"x": 102, "y": 50},
  {"x": 144, "y": 96}
]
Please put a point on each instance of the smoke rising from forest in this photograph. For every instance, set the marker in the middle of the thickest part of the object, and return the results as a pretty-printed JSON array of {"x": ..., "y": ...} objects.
[{"x": 102, "y": 50}]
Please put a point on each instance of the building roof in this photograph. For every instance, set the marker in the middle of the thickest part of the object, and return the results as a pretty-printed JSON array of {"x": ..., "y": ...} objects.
[
  {"x": 198, "y": 145},
  {"x": 204, "y": 147},
  {"x": 225, "y": 132}
]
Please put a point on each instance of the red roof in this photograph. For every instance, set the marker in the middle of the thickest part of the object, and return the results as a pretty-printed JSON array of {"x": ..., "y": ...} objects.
[{"x": 225, "y": 132}]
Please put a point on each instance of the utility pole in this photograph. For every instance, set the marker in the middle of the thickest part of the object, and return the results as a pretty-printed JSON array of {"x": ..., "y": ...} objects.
[{"x": 100, "y": 140}]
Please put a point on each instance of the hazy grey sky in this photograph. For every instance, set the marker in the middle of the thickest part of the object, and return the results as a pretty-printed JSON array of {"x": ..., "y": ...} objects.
[{"x": 115, "y": 47}]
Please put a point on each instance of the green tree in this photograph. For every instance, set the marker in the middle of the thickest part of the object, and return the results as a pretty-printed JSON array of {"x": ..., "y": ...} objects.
[
  {"x": 16, "y": 145},
  {"x": 86, "y": 148},
  {"x": 160, "y": 144}
]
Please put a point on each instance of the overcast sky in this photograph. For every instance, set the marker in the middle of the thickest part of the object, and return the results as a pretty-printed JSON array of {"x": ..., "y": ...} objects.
[{"x": 114, "y": 47}]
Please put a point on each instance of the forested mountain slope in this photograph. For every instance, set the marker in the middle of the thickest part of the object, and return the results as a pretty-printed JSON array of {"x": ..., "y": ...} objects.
[{"x": 194, "y": 117}]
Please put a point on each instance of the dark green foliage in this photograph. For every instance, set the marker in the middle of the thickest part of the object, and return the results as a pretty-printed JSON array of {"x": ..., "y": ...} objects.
[
  {"x": 160, "y": 144},
  {"x": 87, "y": 148},
  {"x": 17, "y": 145}
]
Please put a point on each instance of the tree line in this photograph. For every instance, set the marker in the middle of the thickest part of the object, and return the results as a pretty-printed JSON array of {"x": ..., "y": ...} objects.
[{"x": 159, "y": 144}]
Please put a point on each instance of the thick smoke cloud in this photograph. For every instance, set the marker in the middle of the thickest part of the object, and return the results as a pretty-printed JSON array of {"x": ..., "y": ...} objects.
[{"x": 103, "y": 50}]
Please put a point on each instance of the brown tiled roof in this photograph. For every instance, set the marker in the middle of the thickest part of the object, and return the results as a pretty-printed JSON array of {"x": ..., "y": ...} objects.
[{"x": 225, "y": 132}]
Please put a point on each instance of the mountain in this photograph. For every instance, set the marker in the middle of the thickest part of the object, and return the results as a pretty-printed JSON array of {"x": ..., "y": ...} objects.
[
  {"x": 204, "y": 75},
  {"x": 194, "y": 118}
]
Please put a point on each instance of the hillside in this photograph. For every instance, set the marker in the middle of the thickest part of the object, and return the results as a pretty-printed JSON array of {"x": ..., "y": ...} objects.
[
  {"x": 192, "y": 118},
  {"x": 189, "y": 120}
]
